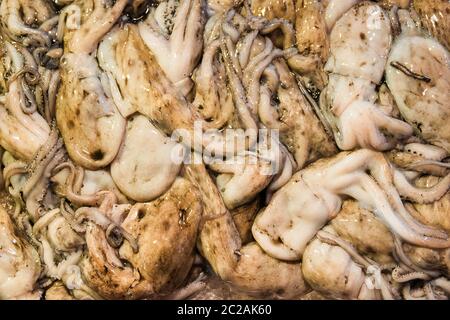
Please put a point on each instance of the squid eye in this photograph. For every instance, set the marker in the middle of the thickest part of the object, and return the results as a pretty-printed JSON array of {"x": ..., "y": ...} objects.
[
  {"x": 275, "y": 99},
  {"x": 114, "y": 236},
  {"x": 141, "y": 214},
  {"x": 138, "y": 10}
]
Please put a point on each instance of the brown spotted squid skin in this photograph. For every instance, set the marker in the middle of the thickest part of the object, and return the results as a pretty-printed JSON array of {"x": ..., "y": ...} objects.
[
  {"x": 245, "y": 266},
  {"x": 166, "y": 232},
  {"x": 89, "y": 122},
  {"x": 434, "y": 16}
]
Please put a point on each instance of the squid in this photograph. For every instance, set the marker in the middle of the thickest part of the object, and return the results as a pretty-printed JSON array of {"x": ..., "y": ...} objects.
[
  {"x": 434, "y": 17},
  {"x": 348, "y": 102},
  {"x": 145, "y": 176},
  {"x": 313, "y": 197},
  {"x": 177, "y": 48},
  {"x": 20, "y": 16},
  {"x": 247, "y": 267},
  {"x": 418, "y": 75},
  {"x": 23, "y": 130},
  {"x": 88, "y": 119},
  {"x": 347, "y": 274},
  {"x": 159, "y": 249},
  {"x": 20, "y": 264}
]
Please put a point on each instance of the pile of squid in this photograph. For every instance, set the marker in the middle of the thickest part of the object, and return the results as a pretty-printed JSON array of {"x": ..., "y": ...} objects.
[{"x": 338, "y": 185}]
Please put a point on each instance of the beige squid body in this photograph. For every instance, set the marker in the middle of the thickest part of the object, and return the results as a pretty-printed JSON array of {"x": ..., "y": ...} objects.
[
  {"x": 341, "y": 279},
  {"x": 146, "y": 165},
  {"x": 20, "y": 265},
  {"x": 335, "y": 9},
  {"x": 87, "y": 117},
  {"x": 165, "y": 231},
  {"x": 89, "y": 121},
  {"x": 423, "y": 102},
  {"x": 273, "y": 9}
]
